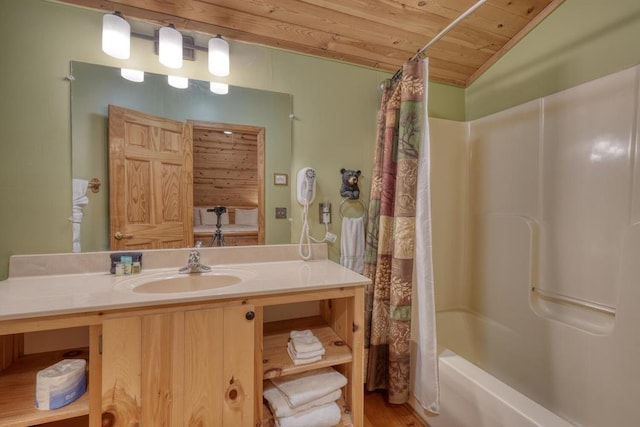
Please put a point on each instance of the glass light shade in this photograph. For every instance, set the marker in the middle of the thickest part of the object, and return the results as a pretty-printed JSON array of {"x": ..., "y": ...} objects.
[
  {"x": 178, "y": 82},
  {"x": 219, "y": 88},
  {"x": 132, "y": 75},
  {"x": 170, "y": 47},
  {"x": 116, "y": 36},
  {"x": 218, "y": 57}
]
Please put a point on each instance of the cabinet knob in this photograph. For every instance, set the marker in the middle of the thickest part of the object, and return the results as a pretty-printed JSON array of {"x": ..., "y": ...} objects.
[{"x": 250, "y": 315}]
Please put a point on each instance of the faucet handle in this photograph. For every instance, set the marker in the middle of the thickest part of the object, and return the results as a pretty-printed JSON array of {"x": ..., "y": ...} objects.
[{"x": 198, "y": 244}]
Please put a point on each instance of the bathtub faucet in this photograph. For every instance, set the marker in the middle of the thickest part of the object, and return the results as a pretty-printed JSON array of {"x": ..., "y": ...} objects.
[{"x": 193, "y": 263}]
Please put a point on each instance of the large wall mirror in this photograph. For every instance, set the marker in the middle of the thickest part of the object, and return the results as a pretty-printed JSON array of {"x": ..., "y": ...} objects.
[{"x": 95, "y": 87}]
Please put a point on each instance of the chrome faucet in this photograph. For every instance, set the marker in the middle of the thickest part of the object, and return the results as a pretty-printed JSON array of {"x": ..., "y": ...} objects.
[{"x": 193, "y": 264}]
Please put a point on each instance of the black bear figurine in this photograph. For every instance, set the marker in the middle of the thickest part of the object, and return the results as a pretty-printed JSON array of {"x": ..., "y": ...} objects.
[{"x": 349, "y": 186}]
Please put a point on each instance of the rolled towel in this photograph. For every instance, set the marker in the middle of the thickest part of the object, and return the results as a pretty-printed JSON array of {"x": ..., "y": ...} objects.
[
  {"x": 305, "y": 341},
  {"x": 280, "y": 408},
  {"x": 302, "y": 361},
  {"x": 307, "y": 386},
  {"x": 321, "y": 416}
]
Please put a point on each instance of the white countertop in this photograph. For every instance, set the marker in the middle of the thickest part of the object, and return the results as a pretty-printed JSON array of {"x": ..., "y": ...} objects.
[{"x": 45, "y": 295}]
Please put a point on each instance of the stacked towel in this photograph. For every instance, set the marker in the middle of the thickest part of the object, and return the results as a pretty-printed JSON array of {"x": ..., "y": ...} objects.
[
  {"x": 304, "y": 347},
  {"x": 306, "y": 399}
]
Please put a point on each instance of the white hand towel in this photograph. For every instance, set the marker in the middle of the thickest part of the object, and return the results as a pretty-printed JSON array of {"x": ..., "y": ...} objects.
[
  {"x": 302, "y": 361},
  {"x": 304, "y": 354},
  {"x": 352, "y": 244},
  {"x": 305, "y": 343},
  {"x": 304, "y": 387},
  {"x": 321, "y": 416},
  {"x": 280, "y": 408},
  {"x": 305, "y": 333}
]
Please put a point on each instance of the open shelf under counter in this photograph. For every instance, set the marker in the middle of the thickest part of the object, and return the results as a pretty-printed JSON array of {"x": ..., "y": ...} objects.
[
  {"x": 276, "y": 360},
  {"x": 345, "y": 421},
  {"x": 18, "y": 385}
]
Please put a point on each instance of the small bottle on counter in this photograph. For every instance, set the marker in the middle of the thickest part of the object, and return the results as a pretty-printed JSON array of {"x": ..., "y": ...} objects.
[
  {"x": 136, "y": 267},
  {"x": 126, "y": 261},
  {"x": 119, "y": 269}
]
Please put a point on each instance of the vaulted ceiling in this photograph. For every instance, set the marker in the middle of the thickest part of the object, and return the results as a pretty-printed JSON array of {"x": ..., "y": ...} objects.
[{"x": 380, "y": 34}]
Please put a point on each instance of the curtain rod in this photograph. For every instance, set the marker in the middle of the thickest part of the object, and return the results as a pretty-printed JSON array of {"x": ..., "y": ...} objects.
[{"x": 441, "y": 34}]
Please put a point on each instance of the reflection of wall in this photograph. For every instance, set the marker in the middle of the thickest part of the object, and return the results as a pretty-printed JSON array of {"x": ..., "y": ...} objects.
[{"x": 95, "y": 87}]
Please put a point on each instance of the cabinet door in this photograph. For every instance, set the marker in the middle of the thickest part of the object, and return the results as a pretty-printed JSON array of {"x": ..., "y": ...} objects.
[{"x": 187, "y": 368}]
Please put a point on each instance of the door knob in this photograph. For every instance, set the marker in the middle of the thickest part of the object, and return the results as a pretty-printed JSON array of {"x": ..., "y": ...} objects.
[
  {"x": 120, "y": 235},
  {"x": 250, "y": 315}
]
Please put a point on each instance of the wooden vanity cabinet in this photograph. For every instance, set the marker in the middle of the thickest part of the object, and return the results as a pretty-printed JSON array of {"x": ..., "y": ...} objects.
[
  {"x": 195, "y": 364},
  {"x": 180, "y": 367}
]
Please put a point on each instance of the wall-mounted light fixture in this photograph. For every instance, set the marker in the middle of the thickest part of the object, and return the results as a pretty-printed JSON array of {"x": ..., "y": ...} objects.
[
  {"x": 218, "y": 56},
  {"x": 170, "y": 47},
  {"x": 116, "y": 36},
  {"x": 132, "y": 75},
  {"x": 219, "y": 88},
  {"x": 178, "y": 82}
]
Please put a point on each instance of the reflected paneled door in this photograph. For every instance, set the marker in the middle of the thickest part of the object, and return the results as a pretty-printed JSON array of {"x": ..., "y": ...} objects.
[{"x": 150, "y": 181}]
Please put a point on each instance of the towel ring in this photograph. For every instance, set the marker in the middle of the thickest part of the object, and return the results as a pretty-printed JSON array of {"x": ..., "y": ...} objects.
[{"x": 364, "y": 208}]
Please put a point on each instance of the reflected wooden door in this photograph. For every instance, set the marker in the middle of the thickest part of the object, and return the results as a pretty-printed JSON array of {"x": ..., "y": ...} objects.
[{"x": 150, "y": 181}]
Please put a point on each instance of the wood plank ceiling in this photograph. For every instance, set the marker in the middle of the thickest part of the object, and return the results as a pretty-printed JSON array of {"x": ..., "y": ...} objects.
[{"x": 380, "y": 34}]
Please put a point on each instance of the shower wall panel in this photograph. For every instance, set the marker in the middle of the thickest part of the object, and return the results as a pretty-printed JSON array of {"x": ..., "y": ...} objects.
[
  {"x": 586, "y": 174},
  {"x": 552, "y": 249}
]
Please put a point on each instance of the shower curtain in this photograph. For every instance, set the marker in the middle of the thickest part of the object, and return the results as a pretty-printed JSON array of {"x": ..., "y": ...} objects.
[{"x": 393, "y": 239}]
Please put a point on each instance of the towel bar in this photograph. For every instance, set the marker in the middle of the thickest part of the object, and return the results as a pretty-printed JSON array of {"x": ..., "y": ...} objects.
[{"x": 364, "y": 208}]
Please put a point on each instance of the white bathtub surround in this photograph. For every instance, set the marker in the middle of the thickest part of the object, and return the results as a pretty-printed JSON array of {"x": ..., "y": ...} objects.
[
  {"x": 425, "y": 380},
  {"x": 473, "y": 398},
  {"x": 537, "y": 240}
]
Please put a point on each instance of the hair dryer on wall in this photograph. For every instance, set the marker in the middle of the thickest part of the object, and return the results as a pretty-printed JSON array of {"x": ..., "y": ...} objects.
[{"x": 306, "y": 186}]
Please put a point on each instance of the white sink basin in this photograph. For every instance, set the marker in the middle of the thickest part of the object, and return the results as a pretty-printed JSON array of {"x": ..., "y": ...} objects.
[{"x": 173, "y": 282}]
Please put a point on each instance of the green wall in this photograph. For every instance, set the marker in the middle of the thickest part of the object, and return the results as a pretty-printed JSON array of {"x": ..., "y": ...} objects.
[
  {"x": 334, "y": 104},
  {"x": 580, "y": 41}
]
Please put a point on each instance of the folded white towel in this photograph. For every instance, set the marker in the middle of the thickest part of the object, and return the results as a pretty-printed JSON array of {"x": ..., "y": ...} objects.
[
  {"x": 280, "y": 408},
  {"x": 321, "y": 416},
  {"x": 304, "y": 387},
  {"x": 298, "y": 334},
  {"x": 302, "y": 361},
  {"x": 304, "y": 354},
  {"x": 305, "y": 341}
]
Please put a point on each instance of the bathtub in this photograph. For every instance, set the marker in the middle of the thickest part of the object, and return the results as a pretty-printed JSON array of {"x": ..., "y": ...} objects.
[{"x": 469, "y": 395}]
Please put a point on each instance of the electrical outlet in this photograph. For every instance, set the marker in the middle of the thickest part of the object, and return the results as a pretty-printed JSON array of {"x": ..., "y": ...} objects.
[
  {"x": 281, "y": 213},
  {"x": 325, "y": 213}
]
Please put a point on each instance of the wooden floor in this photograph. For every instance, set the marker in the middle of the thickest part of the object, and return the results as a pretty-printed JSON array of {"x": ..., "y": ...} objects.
[{"x": 379, "y": 413}]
